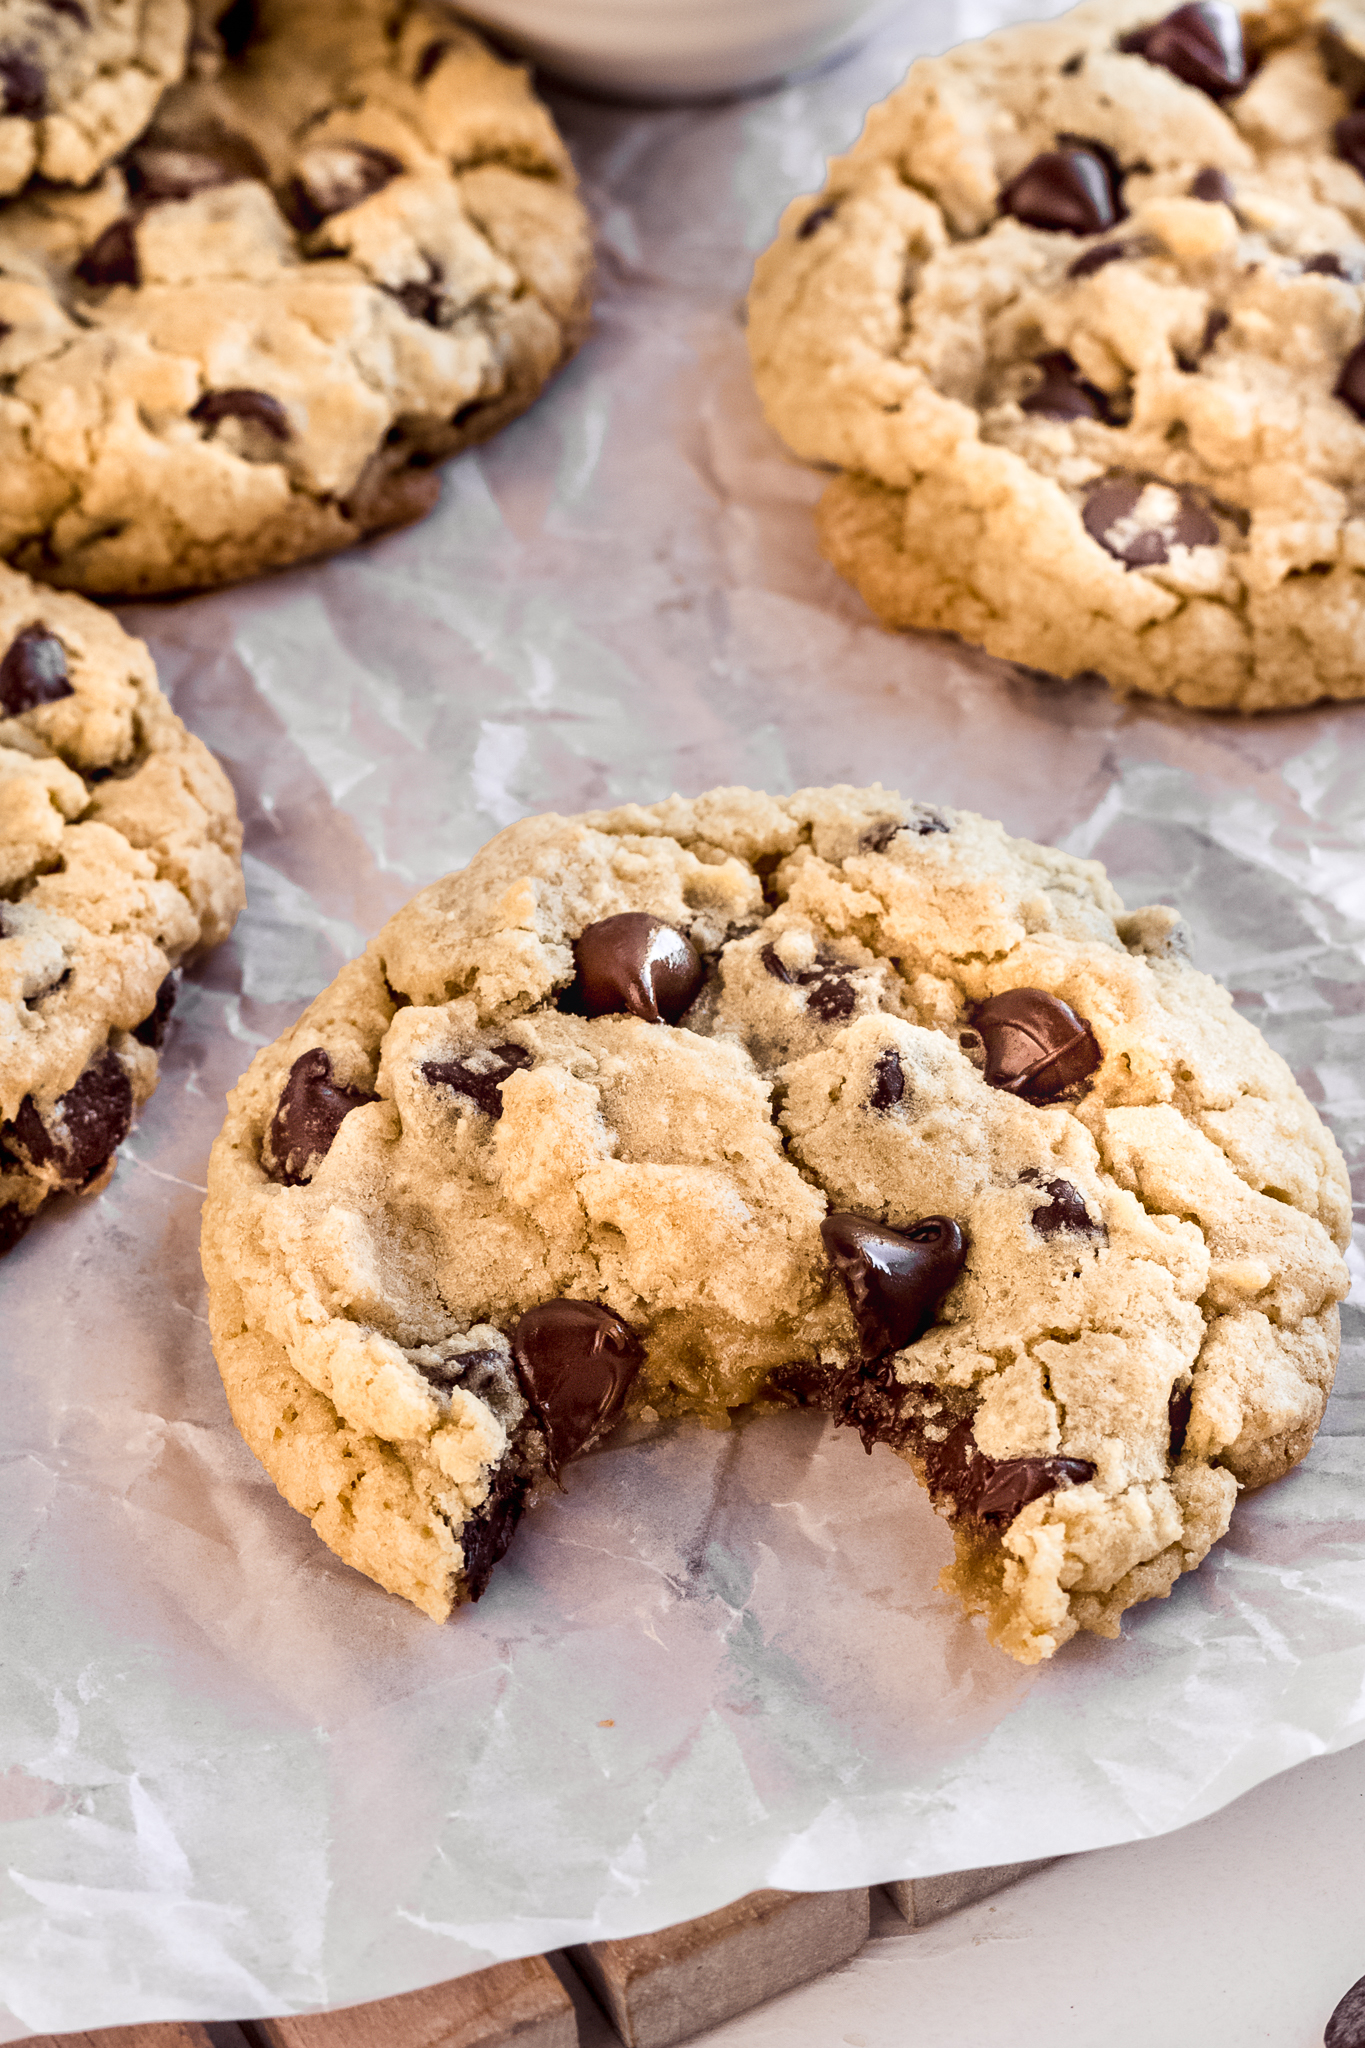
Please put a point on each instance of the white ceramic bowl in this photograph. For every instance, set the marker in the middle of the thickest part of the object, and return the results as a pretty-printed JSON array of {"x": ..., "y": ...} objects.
[{"x": 677, "y": 49}]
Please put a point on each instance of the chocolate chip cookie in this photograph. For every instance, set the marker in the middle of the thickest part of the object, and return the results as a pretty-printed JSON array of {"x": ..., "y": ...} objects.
[
  {"x": 119, "y": 860},
  {"x": 80, "y": 80},
  {"x": 347, "y": 249},
  {"x": 1081, "y": 317},
  {"x": 826, "y": 1099}
]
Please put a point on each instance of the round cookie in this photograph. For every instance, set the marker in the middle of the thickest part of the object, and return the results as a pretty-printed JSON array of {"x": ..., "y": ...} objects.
[
  {"x": 827, "y": 1098},
  {"x": 119, "y": 860},
  {"x": 1081, "y": 318},
  {"x": 79, "y": 81},
  {"x": 350, "y": 248}
]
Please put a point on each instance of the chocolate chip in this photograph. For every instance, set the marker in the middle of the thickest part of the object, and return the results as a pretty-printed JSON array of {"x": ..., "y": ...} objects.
[
  {"x": 1112, "y": 503},
  {"x": 1178, "y": 1408},
  {"x": 112, "y": 256},
  {"x": 1350, "y": 385},
  {"x": 575, "y": 1361},
  {"x": 480, "y": 1075},
  {"x": 332, "y": 177},
  {"x": 1214, "y": 186},
  {"x": 312, "y": 1109},
  {"x": 638, "y": 964},
  {"x": 13, "y": 1224},
  {"x": 33, "y": 672},
  {"x": 1064, "y": 394},
  {"x": 86, "y": 1127},
  {"x": 895, "y": 1279},
  {"x": 814, "y": 221},
  {"x": 1096, "y": 259},
  {"x": 1036, "y": 1045},
  {"x": 427, "y": 300},
  {"x": 257, "y": 406},
  {"x": 156, "y": 172},
  {"x": 72, "y": 9},
  {"x": 829, "y": 994},
  {"x": 1349, "y": 135},
  {"x": 993, "y": 1490},
  {"x": 922, "y": 820},
  {"x": 1070, "y": 191},
  {"x": 236, "y": 26},
  {"x": 430, "y": 58},
  {"x": 1346, "y": 2028},
  {"x": 888, "y": 1080},
  {"x": 1329, "y": 264},
  {"x": 1064, "y": 1213},
  {"x": 1201, "y": 44},
  {"x": 485, "y": 1536},
  {"x": 152, "y": 1030},
  {"x": 23, "y": 85}
]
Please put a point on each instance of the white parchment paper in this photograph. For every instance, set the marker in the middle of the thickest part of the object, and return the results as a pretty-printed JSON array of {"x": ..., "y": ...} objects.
[{"x": 236, "y": 1778}]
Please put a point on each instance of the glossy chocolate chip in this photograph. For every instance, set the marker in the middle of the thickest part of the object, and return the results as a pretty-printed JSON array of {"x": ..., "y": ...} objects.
[
  {"x": 33, "y": 672},
  {"x": 814, "y": 221},
  {"x": 638, "y": 964},
  {"x": 1063, "y": 1213},
  {"x": 1346, "y": 2028},
  {"x": 332, "y": 177},
  {"x": 1070, "y": 191},
  {"x": 485, "y": 1536},
  {"x": 829, "y": 994},
  {"x": 1111, "y": 504},
  {"x": 152, "y": 1030},
  {"x": 895, "y": 1279},
  {"x": 257, "y": 406},
  {"x": 888, "y": 1081},
  {"x": 1214, "y": 186},
  {"x": 1201, "y": 44},
  {"x": 312, "y": 1109},
  {"x": 13, "y": 1224},
  {"x": 575, "y": 1361},
  {"x": 480, "y": 1075},
  {"x": 993, "y": 1490},
  {"x": 1350, "y": 385},
  {"x": 1036, "y": 1045},
  {"x": 23, "y": 85},
  {"x": 1178, "y": 1408},
  {"x": 1064, "y": 393},
  {"x": 1095, "y": 259},
  {"x": 84, "y": 1128},
  {"x": 112, "y": 256}
]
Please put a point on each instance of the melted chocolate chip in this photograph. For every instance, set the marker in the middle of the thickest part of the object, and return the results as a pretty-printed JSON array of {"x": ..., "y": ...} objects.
[
  {"x": 1070, "y": 191},
  {"x": 814, "y": 221},
  {"x": 1112, "y": 503},
  {"x": 895, "y": 1279},
  {"x": 993, "y": 1490},
  {"x": 1063, "y": 393},
  {"x": 33, "y": 672},
  {"x": 1346, "y": 2028},
  {"x": 23, "y": 85},
  {"x": 13, "y": 1224},
  {"x": 1036, "y": 1045},
  {"x": 1349, "y": 135},
  {"x": 486, "y": 1535},
  {"x": 1201, "y": 44},
  {"x": 85, "y": 1128},
  {"x": 480, "y": 1075},
  {"x": 1064, "y": 1213},
  {"x": 257, "y": 406},
  {"x": 332, "y": 177},
  {"x": 638, "y": 964},
  {"x": 1350, "y": 385},
  {"x": 152, "y": 1030},
  {"x": 1213, "y": 186},
  {"x": 829, "y": 995},
  {"x": 112, "y": 256},
  {"x": 575, "y": 1361},
  {"x": 312, "y": 1109},
  {"x": 888, "y": 1081},
  {"x": 1178, "y": 1408},
  {"x": 1096, "y": 259}
]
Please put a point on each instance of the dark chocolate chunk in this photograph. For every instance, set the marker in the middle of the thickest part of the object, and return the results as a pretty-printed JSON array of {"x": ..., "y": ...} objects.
[
  {"x": 480, "y": 1075},
  {"x": 312, "y": 1109},
  {"x": 86, "y": 1126},
  {"x": 1346, "y": 2028},
  {"x": 33, "y": 672},
  {"x": 485, "y": 1536},
  {"x": 1113, "y": 501},
  {"x": 13, "y": 1224},
  {"x": 1064, "y": 1213},
  {"x": 112, "y": 256},
  {"x": 332, "y": 177},
  {"x": 1214, "y": 186},
  {"x": 575, "y": 1361},
  {"x": 1178, "y": 1408},
  {"x": 1350, "y": 386},
  {"x": 1096, "y": 259},
  {"x": 257, "y": 406},
  {"x": 1036, "y": 1045},
  {"x": 814, "y": 221},
  {"x": 1201, "y": 44},
  {"x": 1349, "y": 135},
  {"x": 23, "y": 85},
  {"x": 1070, "y": 191},
  {"x": 152, "y": 1030},
  {"x": 993, "y": 1490},
  {"x": 888, "y": 1080},
  {"x": 895, "y": 1279},
  {"x": 829, "y": 994},
  {"x": 1064, "y": 393},
  {"x": 638, "y": 964}
]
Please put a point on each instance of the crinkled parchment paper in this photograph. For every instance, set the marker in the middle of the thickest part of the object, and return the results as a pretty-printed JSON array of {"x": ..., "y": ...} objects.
[{"x": 238, "y": 1779}]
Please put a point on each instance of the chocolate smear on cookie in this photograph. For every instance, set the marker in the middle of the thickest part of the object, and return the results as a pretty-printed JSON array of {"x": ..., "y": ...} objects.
[
  {"x": 1202, "y": 45},
  {"x": 485, "y": 1536},
  {"x": 575, "y": 1361},
  {"x": 84, "y": 1127},
  {"x": 637, "y": 964},
  {"x": 480, "y": 1075},
  {"x": 1036, "y": 1045},
  {"x": 1070, "y": 191},
  {"x": 312, "y": 1109},
  {"x": 33, "y": 672},
  {"x": 894, "y": 1279}
]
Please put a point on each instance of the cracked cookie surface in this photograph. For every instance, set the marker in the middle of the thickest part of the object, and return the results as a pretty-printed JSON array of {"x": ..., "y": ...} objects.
[
  {"x": 79, "y": 81},
  {"x": 826, "y": 1098},
  {"x": 119, "y": 860},
  {"x": 1081, "y": 317},
  {"x": 347, "y": 249}
]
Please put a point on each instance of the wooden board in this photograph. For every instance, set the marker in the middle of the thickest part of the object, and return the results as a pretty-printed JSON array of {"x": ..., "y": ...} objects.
[
  {"x": 169, "y": 2034},
  {"x": 522, "y": 2002},
  {"x": 662, "y": 1988},
  {"x": 924, "y": 1899}
]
